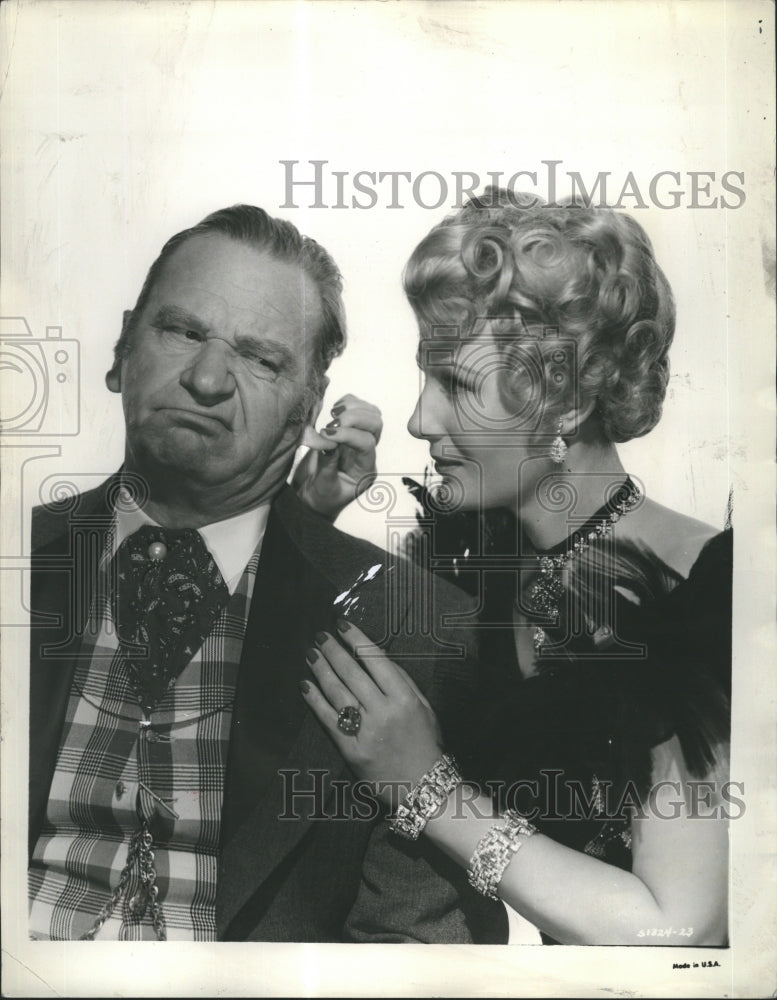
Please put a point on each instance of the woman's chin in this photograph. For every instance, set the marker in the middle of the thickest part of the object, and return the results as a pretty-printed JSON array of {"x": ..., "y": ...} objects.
[{"x": 454, "y": 489}]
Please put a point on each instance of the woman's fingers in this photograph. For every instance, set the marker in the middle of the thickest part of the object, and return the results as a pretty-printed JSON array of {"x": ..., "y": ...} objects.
[
  {"x": 339, "y": 674},
  {"x": 312, "y": 439},
  {"x": 327, "y": 716},
  {"x": 363, "y": 418},
  {"x": 413, "y": 686},
  {"x": 350, "y": 411},
  {"x": 399, "y": 736},
  {"x": 392, "y": 680},
  {"x": 333, "y": 689},
  {"x": 362, "y": 442},
  {"x": 341, "y": 462},
  {"x": 322, "y": 709},
  {"x": 359, "y": 443}
]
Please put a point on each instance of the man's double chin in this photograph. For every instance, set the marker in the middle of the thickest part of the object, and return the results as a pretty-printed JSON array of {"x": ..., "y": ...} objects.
[{"x": 166, "y": 462}]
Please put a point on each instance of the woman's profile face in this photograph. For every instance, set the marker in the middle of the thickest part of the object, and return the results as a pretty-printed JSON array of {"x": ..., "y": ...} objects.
[{"x": 490, "y": 446}]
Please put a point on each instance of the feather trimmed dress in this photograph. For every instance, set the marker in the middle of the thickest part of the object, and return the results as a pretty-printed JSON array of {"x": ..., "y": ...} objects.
[{"x": 571, "y": 745}]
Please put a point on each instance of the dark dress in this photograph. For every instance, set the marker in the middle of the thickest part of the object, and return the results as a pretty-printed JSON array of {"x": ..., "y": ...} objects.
[
  {"x": 583, "y": 727},
  {"x": 570, "y": 746}
]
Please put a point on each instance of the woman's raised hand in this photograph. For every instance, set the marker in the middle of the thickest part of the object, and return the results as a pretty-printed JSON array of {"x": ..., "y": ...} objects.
[
  {"x": 341, "y": 462},
  {"x": 398, "y": 737}
]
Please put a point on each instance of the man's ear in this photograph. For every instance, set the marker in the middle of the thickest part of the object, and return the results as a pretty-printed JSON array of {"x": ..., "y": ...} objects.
[
  {"x": 309, "y": 436},
  {"x": 113, "y": 377},
  {"x": 309, "y": 421},
  {"x": 315, "y": 411}
]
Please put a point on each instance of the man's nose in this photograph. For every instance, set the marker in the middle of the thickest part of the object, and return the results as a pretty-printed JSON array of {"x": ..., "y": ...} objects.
[{"x": 209, "y": 377}]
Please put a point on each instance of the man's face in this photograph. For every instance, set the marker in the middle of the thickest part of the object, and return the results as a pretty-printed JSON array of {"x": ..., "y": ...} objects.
[{"x": 213, "y": 387}]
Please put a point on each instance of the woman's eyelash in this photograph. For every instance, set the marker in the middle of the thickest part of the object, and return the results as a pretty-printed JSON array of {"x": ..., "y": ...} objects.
[{"x": 450, "y": 382}]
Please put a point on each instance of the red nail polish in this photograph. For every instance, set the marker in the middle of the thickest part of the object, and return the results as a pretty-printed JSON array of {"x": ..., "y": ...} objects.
[
  {"x": 312, "y": 655},
  {"x": 343, "y": 625},
  {"x": 304, "y": 686},
  {"x": 321, "y": 637}
]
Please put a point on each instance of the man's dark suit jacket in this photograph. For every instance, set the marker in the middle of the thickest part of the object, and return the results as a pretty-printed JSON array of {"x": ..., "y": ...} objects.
[{"x": 306, "y": 879}]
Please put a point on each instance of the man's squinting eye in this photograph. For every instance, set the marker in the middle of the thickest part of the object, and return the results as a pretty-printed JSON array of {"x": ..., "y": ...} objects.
[
  {"x": 255, "y": 362},
  {"x": 258, "y": 363},
  {"x": 174, "y": 331}
]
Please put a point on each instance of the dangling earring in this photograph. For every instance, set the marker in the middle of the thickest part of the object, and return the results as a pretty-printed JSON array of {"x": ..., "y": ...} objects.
[{"x": 558, "y": 448}]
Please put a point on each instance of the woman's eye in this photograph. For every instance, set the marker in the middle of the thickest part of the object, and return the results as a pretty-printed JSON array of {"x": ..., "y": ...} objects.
[{"x": 451, "y": 383}]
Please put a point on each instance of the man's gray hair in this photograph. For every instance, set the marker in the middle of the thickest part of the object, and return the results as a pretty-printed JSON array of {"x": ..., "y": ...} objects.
[{"x": 284, "y": 242}]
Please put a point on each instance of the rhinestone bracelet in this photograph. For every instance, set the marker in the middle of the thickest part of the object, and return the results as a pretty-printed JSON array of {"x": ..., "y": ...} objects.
[
  {"x": 495, "y": 851},
  {"x": 426, "y": 798}
]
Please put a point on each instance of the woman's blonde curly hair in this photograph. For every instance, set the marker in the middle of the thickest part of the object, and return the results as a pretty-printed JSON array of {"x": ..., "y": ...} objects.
[{"x": 541, "y": 272}]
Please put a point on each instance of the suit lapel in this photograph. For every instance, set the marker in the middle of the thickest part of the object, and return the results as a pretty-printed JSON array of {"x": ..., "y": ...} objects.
[
  {"x": 63, "y": 576},
  {"x": 275, "y": 740},
  {"x": 303, "y": 567}
]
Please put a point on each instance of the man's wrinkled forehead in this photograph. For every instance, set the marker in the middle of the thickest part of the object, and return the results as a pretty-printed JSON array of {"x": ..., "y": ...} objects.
[{"x": 227, "y": 283}]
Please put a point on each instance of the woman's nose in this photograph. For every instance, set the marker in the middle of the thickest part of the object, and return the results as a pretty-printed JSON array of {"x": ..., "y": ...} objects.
[
  {"x": 423, "y": 422},
  {"x": 209, "y": 377},
  {"x": 414, "y": 423}
]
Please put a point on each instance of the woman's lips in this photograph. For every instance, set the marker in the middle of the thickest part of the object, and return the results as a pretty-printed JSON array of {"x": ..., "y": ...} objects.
[{"x": 441, "y": 464}]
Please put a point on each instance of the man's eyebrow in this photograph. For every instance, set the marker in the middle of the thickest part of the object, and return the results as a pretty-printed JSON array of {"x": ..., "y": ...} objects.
[
  {"x": 279, "y": 351},
  {"x": 276, "y": 348},
  {"x": 174, "y": 314}
]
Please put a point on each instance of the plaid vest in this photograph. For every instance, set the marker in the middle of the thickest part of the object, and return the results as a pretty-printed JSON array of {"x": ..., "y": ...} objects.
[{"x": 106, "y": 758}]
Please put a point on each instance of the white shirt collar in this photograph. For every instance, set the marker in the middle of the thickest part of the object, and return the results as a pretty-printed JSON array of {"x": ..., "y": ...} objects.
[{"x": 231, "y": 542}]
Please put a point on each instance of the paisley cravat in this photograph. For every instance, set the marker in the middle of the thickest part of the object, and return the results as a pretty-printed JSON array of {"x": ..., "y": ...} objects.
[{"x": 169, "y": 593}]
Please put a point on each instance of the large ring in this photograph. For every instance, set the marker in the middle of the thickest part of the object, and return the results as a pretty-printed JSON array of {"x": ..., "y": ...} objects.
[{"x": 349, "y": 720}]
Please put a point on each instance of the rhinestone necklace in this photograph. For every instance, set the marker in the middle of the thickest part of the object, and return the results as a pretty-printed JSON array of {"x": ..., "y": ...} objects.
[{"x": 546, "y": 591}]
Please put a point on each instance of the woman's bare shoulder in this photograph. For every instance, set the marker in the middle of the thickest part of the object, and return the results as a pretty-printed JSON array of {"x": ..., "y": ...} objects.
[
  {"x": 675, "y": 538},
  {"x": 668, "y": 764}
]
